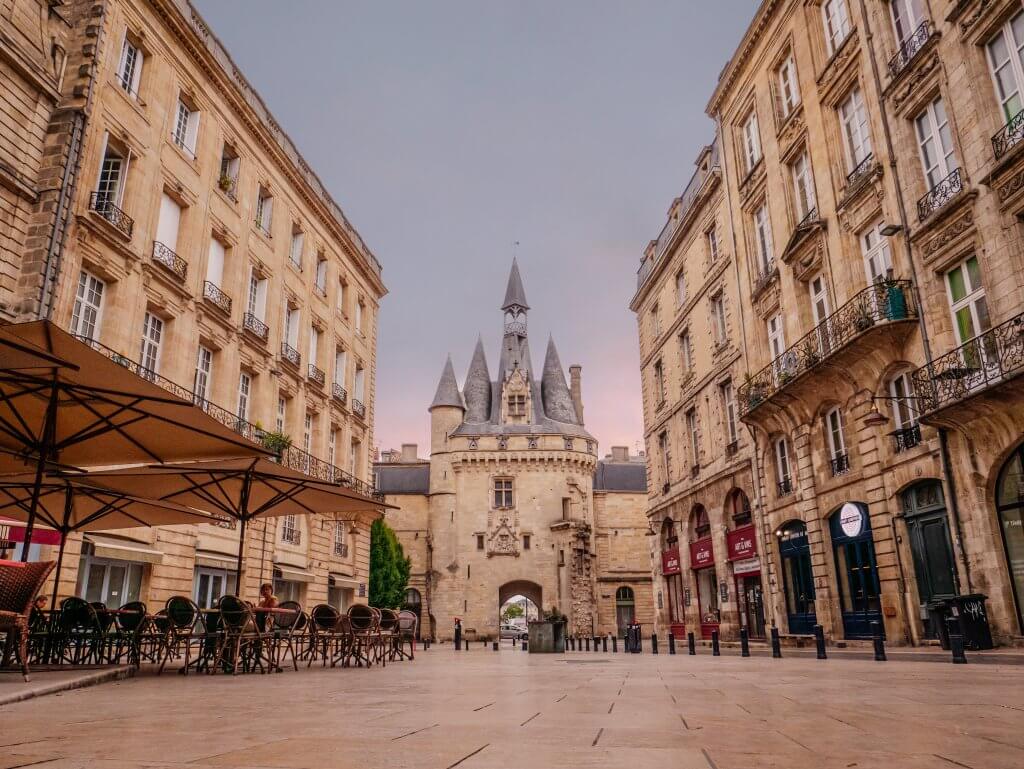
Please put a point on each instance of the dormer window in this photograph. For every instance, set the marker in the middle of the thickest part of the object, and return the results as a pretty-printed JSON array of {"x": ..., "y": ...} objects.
[{"x": 517, "y": 405}]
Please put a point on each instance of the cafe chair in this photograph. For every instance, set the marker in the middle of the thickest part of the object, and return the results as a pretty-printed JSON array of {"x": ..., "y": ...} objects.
[{"x": 19, "y": 585}]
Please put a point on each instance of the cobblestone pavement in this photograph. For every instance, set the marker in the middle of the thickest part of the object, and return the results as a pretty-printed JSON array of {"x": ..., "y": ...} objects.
[{"x": 480, "y": 709}]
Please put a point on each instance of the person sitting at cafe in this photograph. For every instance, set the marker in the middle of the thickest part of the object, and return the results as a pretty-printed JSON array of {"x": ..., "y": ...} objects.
[{"x": 267, "y": 601}]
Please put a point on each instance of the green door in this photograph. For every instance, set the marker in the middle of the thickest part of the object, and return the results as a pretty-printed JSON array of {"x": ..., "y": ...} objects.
[{"x": 931, "y": 546}]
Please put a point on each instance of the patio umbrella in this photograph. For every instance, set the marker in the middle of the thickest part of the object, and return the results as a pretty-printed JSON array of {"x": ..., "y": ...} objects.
[
  {"x": 103, "y": 409},
  {"x": 17, "y": 354},
  {"x": 243, "y": 489},
  {"x": 70, "y": 503}
]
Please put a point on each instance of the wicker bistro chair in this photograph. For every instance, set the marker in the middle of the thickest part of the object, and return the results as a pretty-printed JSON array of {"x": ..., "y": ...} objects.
[
  {"x": 124, "y": 642},
  {"x": 19, "y": 586},
  {"x": 180, "y": 637},
  {"x": 284, "y": 634},
  {"x": 82, "y": 638},
  {"x": 407, "y": 623},
  {"x": 323, "y": 622},
  {"x": 388, "y": 638},
  {"x": 365, "y": 624},
  {"x": 241, "y": 641},
  {"x": 343, "y": 644}
]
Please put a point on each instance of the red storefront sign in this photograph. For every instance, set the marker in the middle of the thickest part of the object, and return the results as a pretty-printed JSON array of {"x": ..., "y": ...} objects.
[
  {"x": 701, "y": 553},
  {"x": 670, "y": 561},
  {"x": 741, "y": 543},
  {"x": 16, "y": 533}
]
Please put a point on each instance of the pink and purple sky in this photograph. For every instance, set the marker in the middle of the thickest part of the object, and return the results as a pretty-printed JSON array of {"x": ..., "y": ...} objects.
[{"x": 450, "y": 130}]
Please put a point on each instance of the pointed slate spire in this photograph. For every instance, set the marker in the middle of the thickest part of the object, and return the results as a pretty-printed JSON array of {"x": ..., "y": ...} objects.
[
  {"x": 557, "y": 398},
  {"x": 447, "y": 389},
  {"x": 477, "y": 388},
  {"x": 515, "y": 295}
]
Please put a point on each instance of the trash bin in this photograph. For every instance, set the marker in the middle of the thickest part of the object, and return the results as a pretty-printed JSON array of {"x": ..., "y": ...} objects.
[
  {"x": 633, "y": 638},
  {"x": 970, "y": 613}
]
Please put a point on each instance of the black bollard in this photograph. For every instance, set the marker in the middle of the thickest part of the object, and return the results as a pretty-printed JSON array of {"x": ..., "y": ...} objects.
[
  {"x": 597, "y": 646},
  {"x": 524, "y": 647},
  {"x": 819, "y": 640},
  {"x": 604, "y": 643},
  {"x": 691, "y": 644},
  {"x": 715, "y": 651},
  {"x": 654, "y": 643},
  {"x": 956, "y": 642},
  {"x": 588, "y": 643},
  {"x": 744, "y": 643},
  {"x": 615, "y": 644},
  {"x": 876, "y": 635},
  {"x": 671, "y": 643},
  {"x": 572, "y": 643},
  {"x": 776, "y": 644},
  {"x": 494, "y": 646}
]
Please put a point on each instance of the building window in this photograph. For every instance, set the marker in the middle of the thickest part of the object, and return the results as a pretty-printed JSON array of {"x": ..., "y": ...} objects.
[
  {"x": 256, "y": 302},
  {"x": 85, "y": 317},
  {"x": 789, "y": 90},
  {"x": 264, "y": 209},
  {"x": 656, "y": 321},
  {"x": 967, "y": 300},
  {"x": 693, "y": 429},
  {"x": 321, "y": 273},
  {"x": 659, "y": 382},
  {"x": 111, "y": 582},
  {"x": 295, "y": 252},
  {"x": 836, "y": 442},
  {"x": 763, "y": 240},
  {"x": 785, "y": 478},
  {"x": 751, "y": 141},
  {"x": 215, "y": 262},
  {"x": 340, "y": 539},
  {"x": 359, "y": 316},
  {"x": 186, "y": 126},
  {"x": 204, "y": 373},
  {"x": 340, "y": 367},
  {"x": 776, "y": 337},
  {"x": 685, "y": 352},
  {"x": 701, "y": 522},
  {"x": 837, "y": 23},
  {"x": 359, "y": 384},
  {"x": 228, "y": 180},
  {"x": 517, "y": 405},
  {"x": 526, "y": 542},
  {"x": 1006, "y": 59},
  {"x": 680, "y": 288},
  {"x": 665, "y": 453},
  {"x": 935, "y": 142},
  {"x": 290, "y": 530},
  {"x": 332, "y": 446},
  {"x": 856, "y": 134},
  {"x": 314, "y": 345},
  {"x": 803, "y": 186},
  {"x": 729, "y": 411},
  {"x": 738, "y": 507},
  {"x": 307, "y": 433},
  {"x": 152, "y": 336},
  {"x": 907, "y": 16},
  {"x": 479, "y": 541},
  {"x": 342, "y": 295},
  {"x": 712, "y": 239},
  {"x": 355, "y": 461},
  {"x": 877, "y": 255},
  {"x": 244, "y": 393},
  {"x": 110, "y": 185},
  {"x": 282, "y": 410},
  {"x": 502, "y": 493},
  {"x": 718, "y": 326},
  {"x": 129, "y": 69}
]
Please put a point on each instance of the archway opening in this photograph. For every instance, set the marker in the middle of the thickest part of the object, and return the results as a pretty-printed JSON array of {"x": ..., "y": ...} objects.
[
  {"x": 519, "y": 602},
  {"x": 1010, "y": 509}
]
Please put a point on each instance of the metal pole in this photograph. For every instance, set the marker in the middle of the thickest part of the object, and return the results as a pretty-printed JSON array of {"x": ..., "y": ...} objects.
[
  {"x": 615, "y": 644},
  {"x": 776, "y": 645},
  {"x": 604, "y": 644},
  {"x": 654, "y": 643},
  {"x": 744, "y": 643},
  {"x": 876, "y": 634},
  {"x": 819, "y": 640},
  {"x": 588, "y": 643},
  {"x": 45, "y": 448},
  {"x": 715, "y": 651},
  {"x": 671, "y": 643},
  {"x": 691, "y": 644},
  {"x": 956, "y": 642}
]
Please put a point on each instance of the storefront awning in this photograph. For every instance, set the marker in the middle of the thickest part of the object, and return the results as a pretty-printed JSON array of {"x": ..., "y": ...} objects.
[
  {"x": 343, "y": 580},
  {"x": 213, "y": 560},
  {"x": 123, "y": 549},
  {"x": 290, "y": 574},
  {"x": 14, "y": 531}
]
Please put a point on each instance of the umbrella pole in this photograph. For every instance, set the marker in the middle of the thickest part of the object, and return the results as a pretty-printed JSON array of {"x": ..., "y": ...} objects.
[
  {"x": 243, "y": 515},
  {"x": 68, "y": 494},
  {"x": 49, "y": 425},
  {"x": 241, "y": 553}
]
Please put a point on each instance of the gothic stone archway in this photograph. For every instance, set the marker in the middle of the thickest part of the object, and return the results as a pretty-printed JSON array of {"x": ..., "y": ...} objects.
[{"x": 531, "y": 590}]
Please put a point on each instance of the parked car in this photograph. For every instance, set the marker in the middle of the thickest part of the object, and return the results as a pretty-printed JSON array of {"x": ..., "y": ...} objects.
[{"x": 513, "y": 631}]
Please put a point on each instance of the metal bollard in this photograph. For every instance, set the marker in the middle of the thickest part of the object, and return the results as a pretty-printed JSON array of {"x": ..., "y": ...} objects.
[
  {"x": 715, "y": 651},
  {"x": 776, "y": 644},
  {"x": 615, "y": 644},
  {"x": 819, "y": 640},
  {"x": 597, "y": 646},
  {"x": 671, "y": 644},
  {"x": 604, "y": 644},
  {"x": 588, "y": 643},
  {"x": 494, "y": 646},
  {"x": 523, "y": 647},
  {"x": 691, "y": 644},
  {"x": 876, "y": 635},
  {"x": 744, "y": 643},
  {"x": 572, "y": 643},
  {"x": 956, "y": 642},
  {"x": 654, "y": 643}
]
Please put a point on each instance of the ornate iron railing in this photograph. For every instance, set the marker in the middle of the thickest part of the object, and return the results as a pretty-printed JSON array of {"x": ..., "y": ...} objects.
[
  {"x": 218, "y": 298},
  {"x": 292, "y": 457},
  {"x": 104, "y": 206},
  {"x": 906, "y": 438},
  {"x": 339, "y": 393},
  {"x": 940, "y": 195},
  {"x": 316, "y": 375},
  {"x": 291, "y": 534},
  {"x": 909, "y": 48},
  {"x": 1008, "y": 136},
  {"x": 841, "y": 463},
  {"x": 785, "y": 486},
  {"x": 767, "y": 274},
  {"x": 811, "y": 217},
  {"x": 358, "y": 408},
  {"x": 861, "y": 169},
  {"x": 883, "y": 302},
  {"x": 290, "y": 354},
  {"x": 255, "y": 326},
  {"x": 170, "y": 260},
  {"x": 341, "y": 549},
  {"x": 986, "y": 360}
]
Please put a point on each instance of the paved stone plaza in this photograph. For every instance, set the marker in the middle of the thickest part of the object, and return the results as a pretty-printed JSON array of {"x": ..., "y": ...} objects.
[{"x": 509, "y": 709}]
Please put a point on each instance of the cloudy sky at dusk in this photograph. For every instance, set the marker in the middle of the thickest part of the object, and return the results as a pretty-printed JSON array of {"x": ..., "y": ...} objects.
[{"x": 449, "y": 130}]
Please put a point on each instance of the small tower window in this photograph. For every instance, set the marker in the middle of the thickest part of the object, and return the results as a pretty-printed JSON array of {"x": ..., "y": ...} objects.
[
  {"x": 502, "y": 492},
  {"x": 526, "y": 542},
  {"x": 479, "y": 541},
  {"x": 517, "y": 405}
]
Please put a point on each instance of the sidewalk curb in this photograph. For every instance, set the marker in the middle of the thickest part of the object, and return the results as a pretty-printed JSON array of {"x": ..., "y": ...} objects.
[{"x": 119, "y": 673}]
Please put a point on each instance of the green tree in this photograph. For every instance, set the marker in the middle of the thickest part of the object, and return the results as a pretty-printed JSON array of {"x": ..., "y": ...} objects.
[
  {"x": 389, "y": 567},
  {"x": 512, "y": 611}
]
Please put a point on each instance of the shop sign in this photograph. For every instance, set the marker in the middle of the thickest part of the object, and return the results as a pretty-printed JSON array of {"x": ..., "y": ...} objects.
[
  {"x": 723, "y": 589},
  {"x": 741, "y": 543},
  {"x": 362, "y": 589},
  {"x": 687, "y": 597},
  {"x": 670, "y": 561},
  {"x": 851, "y": 519},
  {"x": 16, "y": 534},
  {"x": 701, "y": 553},
  {"x": 747, "y": 566}
]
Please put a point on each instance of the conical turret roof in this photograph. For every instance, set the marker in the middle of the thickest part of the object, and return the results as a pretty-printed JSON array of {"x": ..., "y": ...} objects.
[
  {"x": 477, "y": 387},
  {"x": 515, "y": 294},
  {"x": 558, "y": 403},
  {"x": 447, "y": 389}
]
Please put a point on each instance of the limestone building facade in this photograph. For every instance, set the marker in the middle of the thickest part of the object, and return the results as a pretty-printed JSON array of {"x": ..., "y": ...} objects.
[
  {"x": 198, "y": 243},
  {"x": 513, "y": 499},
  {"x": 870, "y": 166}
]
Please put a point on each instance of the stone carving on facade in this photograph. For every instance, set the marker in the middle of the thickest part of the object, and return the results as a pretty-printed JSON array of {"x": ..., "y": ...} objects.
[
  {"x": 768, "y": 300},
  {"x": 948, "y": 234},
  {"x": 793, "y": 133},
  {"x": 912, "y": 85},
  {"x": 833, "y": 75},
  {"x": 862, "y": 201},
  {"x": 503, "y": 533},
  {"x": 1011, "y": 186},
  {"x": 970, "y": 21}
]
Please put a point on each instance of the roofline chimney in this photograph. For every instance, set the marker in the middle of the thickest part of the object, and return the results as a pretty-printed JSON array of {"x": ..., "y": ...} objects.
[{"x": 576, "y": 389}]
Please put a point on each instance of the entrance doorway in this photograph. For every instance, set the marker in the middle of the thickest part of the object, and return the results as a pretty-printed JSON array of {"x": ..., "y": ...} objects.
[
  {"x": 1010, "y": 509},
  {"x": 751, "y": 600},
  {"x": 797, "y": 577},
  {"x": 856, "y": 571},
  {"x": 519, "y": 602},
  {"x": 625, "y": 609},
  {"x": 925, "y": 512}
]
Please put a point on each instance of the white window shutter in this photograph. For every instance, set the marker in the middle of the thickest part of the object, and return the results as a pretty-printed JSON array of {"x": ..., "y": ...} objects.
[
  {"x": 137, "y": 74},
  {"x": 215, "y": 264},
  {"x": 192, "y": 131},
  {"x": 170, "y": 220}
]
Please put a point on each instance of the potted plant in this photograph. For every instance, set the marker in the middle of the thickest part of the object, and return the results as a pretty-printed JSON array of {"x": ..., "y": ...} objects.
[
  {"x": 864, "y": 320},
  {"x": 276, "y": 442},
  {"x": 225, "y": 182}
]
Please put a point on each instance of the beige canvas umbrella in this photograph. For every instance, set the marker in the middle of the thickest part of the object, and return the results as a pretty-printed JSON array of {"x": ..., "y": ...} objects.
[
  {"x": 243, "y": 489},
  {"x": 68, "y": 503},
  {"x": 103, "y": 409},
  {"x": 17, "y": 354}
]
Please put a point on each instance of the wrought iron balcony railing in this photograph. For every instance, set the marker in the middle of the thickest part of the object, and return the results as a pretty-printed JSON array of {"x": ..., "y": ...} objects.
[
  {"x": 861, "y": 169},
  {"x": 785, "y": 486},
  {"x": 165, "y": 257},
  {"x": 339, "y": 393},
  {"x": 341, "y": 549},
  {"x": 811, "y": 217},
  {"x": 766, "y": 275},
  {"x": 1008, "y": 136},
  {"x": 841, "y": 463},
  {"x": 939, "y": 195},
  {"x": 291, "y": 457},
  {"x": 218, "y": 298},
  {"x": 255, "y": 326},
  {"x": 101, "y": 203},
  {"x": 906, "y": 438},
  {"x": 909, "y": 48},
  {"x": 986, "y": 360},
  {"x": 316, "y": 375},
  {"x": 290, "y": 354},
  {"x": 291, "y": 534},
  {"x": 358, "y": 408},
  {"x": 884, "y": 302}
]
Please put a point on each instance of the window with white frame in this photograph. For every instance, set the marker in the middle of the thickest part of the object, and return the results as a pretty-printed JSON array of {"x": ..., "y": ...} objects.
[
  {"x": 152, "y": 337},
  {"x": 332, "y": 446},
  {"x": 502, "y": 493},
  {"x": 359, "y": 383},
  {"x": 693, "y": 430},
  {"x": 907, "y": 16},
  {"x": 656, "y": 321},
  {"x": 834, "y": 434},
  {"x": 256, "y": 303},
  {"x": 726, "y": 394},
  {"x": 88, "y": 308},
  {"x": 967, "y": 300},
  {"x": 718, "y": 327},
  {"x": 659, "y": 382},
  {"x": 321, "y": 273},
  {"x": 282, "y": 410},
  {"x": 186, "y": 125},
  {"x": 803, "y": 186},
  {"x": 264, "y": 209},
  {"x": 856, "y": 134},
  {"x": 877, "y": 255},
  {"x": 290, "y": 530},
  {"x": 295, "y": 252},
  {"x": 782, "y": 463},
  {"x": 204, "y": 373},
  {"x": 169, "y": 222},
  {"x": 229, "y": 164},
  {"x": 340, "y": 366},
  {"x": 837, "y": 23},
  {"x": 340, "y": 539},
  {"x": 109, "y": 581},
  {"x": 751, "y": 141},
  {"x": 935, "y": 141},
  {"x": 712, "y": 239},
  {"x": 342, "y": 295},
  {"x": 215, "y": 262},
  {"x": 113, "y": 172},
  {"x": 292, "y": 319},
  {"x": 129, "y": 68},
  {"x": 680, "y": 288},
  {"x": 355, "y": 461},
  {"x": 665, "y": 454},
  {"x": 1005, "y": 51},
  {"x": 763, "y": 239},
  {"x": 789, "y": 90},
  {"x": 359, "y": 316},
  {"x": 314, "y": 345},
  {"x": 685, "y": 352},
  {"x": 901, "y": 390},
  {"x": 776, "y": 337},
  {"x": 244, "y": 393},
  {"x": 307, "y": 433}
]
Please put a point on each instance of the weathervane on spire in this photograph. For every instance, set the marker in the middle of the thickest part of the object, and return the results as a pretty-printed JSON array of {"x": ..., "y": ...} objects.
[{"x": 515, "y": 305}]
